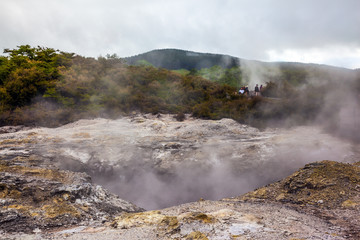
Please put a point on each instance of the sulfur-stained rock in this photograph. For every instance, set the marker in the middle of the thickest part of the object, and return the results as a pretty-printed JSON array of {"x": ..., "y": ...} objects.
[
  {"x": 197, "y": 216},
  {"x": 35, "y": 197},
  {"x": 327, "y": 189},
  {"x": 196, "y": 236},
  {"x": 326, "y": 183},
  {"x": 128, "y": 220},
  {"x": 350, "y": 204}
]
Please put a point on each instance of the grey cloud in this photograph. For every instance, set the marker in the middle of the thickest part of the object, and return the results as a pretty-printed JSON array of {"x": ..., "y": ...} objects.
[{"x": 242, "y": 28}]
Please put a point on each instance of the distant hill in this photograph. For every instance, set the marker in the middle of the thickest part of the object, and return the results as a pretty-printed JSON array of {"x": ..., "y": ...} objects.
[
  {"x": 233, "y": 71},
  {"x": 173, "y": 59}
]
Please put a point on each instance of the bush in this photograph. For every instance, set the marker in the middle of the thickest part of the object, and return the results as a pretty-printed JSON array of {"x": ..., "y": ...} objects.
[{"x": 180, "y": 117}]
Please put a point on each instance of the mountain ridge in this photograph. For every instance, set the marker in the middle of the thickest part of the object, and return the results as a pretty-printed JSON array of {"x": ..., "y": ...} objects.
[{"x": 173, "y": 59}]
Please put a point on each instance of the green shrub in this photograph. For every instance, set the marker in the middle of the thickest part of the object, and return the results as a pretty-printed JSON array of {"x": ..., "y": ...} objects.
[{"x": 180, "y": 117}]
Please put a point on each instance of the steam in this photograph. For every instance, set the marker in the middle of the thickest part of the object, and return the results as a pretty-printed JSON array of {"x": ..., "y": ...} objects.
[
  {"x": 228, "y": 160},
  {"x": 349, "y": 118},
  {"x": 337, "y": 95},
  {"x": 189, "y": 182},
  {"x": 215, "y": 177},
  {"x": 157, "y": 167},
  {"x": 258, "y": 72},
  {"x": 340, "y": 110}
]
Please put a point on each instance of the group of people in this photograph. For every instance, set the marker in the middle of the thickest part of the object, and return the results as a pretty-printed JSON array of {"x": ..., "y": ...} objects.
[{"x": 245, "y": 90}]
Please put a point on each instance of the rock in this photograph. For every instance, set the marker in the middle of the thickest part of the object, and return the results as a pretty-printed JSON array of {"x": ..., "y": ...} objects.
[
  {"x": 12, "y": 129},
  {"x": 196, "y": 236},
  {"x": 350, "y": 204},
  {"x": 224, "y": 220},
  {"x": 7, "y": 216},
  {"x": 323, "y": 188},
  {"x": 328, "y": 183},
  {"x": 40, "y": 198}
]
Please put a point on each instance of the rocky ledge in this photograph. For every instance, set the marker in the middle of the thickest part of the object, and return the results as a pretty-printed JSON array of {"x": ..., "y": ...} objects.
[
  {"x": 329, "y": 190},
  {"x": 35, "y": 196}
]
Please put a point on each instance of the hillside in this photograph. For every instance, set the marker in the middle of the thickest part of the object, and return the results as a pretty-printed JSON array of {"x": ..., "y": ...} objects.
[
  {"x": 47, "y": 87},
  {"x": 173, "y": 59},
  {"x": 236, "y": 72}
]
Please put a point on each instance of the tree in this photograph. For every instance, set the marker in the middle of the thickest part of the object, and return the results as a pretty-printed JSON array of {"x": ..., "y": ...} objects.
[{"x": 28, "y": 72}]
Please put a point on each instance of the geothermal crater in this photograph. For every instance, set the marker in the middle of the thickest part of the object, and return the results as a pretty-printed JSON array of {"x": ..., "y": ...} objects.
[{"x": 156, "y": 161}]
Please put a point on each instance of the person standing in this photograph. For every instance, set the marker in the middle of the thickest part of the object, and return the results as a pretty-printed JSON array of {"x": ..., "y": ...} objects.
[
  {"x": 242, "y": 90},
  {"x": 247, "y": 92},
  {"x": 257, "y": 90}
]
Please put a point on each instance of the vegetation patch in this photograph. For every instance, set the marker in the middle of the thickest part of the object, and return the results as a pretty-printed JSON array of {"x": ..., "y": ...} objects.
[{"x": 45, "y": 87}]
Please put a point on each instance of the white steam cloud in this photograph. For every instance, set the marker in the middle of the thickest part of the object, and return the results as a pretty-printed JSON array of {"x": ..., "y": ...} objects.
[{"x": 158, "y": 162}]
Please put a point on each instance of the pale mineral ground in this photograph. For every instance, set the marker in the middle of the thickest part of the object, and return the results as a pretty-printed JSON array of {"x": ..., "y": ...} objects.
[{"x": 167, "y": 166}]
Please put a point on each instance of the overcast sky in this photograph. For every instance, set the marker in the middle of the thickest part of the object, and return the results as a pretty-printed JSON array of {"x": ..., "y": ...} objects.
[{"x": 318, "y": 31}]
